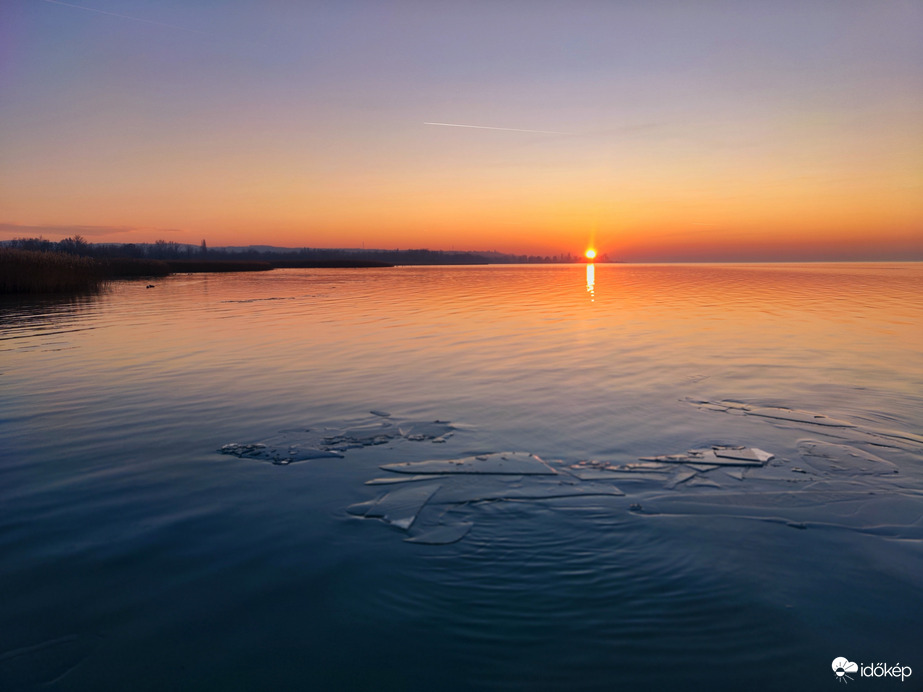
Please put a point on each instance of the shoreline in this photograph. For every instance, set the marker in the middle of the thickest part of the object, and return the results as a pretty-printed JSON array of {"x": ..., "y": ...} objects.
[{"x": 35, "y": 272}]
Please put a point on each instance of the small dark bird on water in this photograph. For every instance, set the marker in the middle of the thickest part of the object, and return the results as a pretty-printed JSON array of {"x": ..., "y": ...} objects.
[{"x": 150, "y": 286}]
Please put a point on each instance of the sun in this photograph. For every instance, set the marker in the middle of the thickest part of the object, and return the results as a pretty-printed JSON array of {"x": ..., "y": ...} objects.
[{"x": 590, "y": 254}]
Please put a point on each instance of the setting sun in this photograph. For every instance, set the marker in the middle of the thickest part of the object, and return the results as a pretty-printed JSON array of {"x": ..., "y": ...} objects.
[{"x": 590, "y": 254}]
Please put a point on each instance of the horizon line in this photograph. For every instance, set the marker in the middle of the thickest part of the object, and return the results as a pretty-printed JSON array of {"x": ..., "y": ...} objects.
[{"x": 577, "y": 258}]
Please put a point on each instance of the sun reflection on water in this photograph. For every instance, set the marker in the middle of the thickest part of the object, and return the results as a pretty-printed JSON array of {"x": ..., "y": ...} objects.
[{"x": 591, "y": 281}]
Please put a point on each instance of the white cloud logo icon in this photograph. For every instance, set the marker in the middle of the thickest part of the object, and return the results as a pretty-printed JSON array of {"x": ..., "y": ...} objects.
[{"x": 841, "y": 666}]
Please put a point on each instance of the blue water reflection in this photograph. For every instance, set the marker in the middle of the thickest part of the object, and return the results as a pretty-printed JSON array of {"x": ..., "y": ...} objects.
[{"x": 137, "y": 557}]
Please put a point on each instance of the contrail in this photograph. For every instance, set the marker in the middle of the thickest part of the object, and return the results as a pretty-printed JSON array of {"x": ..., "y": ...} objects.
[
  {"x": 486, "y": 127},
  {"x": 125, "y": 16}
]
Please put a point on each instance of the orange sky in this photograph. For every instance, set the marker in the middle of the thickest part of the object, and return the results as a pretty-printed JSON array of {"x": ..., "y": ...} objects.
[{"x": 787, "y": 130}]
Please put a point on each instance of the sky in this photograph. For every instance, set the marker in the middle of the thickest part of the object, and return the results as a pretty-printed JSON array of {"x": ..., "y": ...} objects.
[{"x": 656, "y": 130}]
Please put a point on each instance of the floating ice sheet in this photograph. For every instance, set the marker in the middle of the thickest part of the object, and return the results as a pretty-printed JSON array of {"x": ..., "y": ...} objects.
[
  {"x": 593, "y": 470},
  {"x": 518, "y": 463},
  {"x": 716, "y": 456},
  {"x": 463, "y": 483},
  {"x": 393, "y": 480},
  {"x": 464, "y": 490},
  {"x": 436, "y": 501},
  {"x": 421, "y": 430},
  {"x": 280, "y": 454},
  {"x": 681, "y": 477},
  {"x": 751, "y": 455},
  {"x": 322, "y": 442},
  {"x": 399, "y": 507}
]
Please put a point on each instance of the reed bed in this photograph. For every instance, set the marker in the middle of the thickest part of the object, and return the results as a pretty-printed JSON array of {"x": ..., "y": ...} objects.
[
  {"x": 30, "y": 271},
  {"x": 26, "y": 271}
]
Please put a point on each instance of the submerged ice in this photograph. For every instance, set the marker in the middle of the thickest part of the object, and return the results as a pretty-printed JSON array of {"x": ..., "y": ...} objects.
[
  {"x": 808, "y": 420},
  {"x": 836, "y": 458},
  {"x": 823, "y": 483}
]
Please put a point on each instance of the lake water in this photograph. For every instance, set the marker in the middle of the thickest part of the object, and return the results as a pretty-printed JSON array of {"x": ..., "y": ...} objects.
[{"x": 137, "y": 556}]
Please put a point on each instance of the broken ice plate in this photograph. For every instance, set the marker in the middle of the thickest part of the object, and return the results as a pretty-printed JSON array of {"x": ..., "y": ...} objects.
[
  {"x": 517, "y": 463},
  {"x": 399, "y": 507},
  {"x": 717, "y": 456}
]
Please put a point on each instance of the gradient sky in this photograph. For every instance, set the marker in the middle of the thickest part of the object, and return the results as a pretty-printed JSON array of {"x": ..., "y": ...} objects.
[{"x": 690, "y": 130}]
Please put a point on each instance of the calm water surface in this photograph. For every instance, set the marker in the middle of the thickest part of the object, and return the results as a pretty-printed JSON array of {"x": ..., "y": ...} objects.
[{"x": 135, "y": 556}]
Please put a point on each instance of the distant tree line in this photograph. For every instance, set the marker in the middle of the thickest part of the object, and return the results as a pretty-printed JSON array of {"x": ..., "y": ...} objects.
[
  {"x": 78, "y": 245},
  {"x": 170, "y": 250}
]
